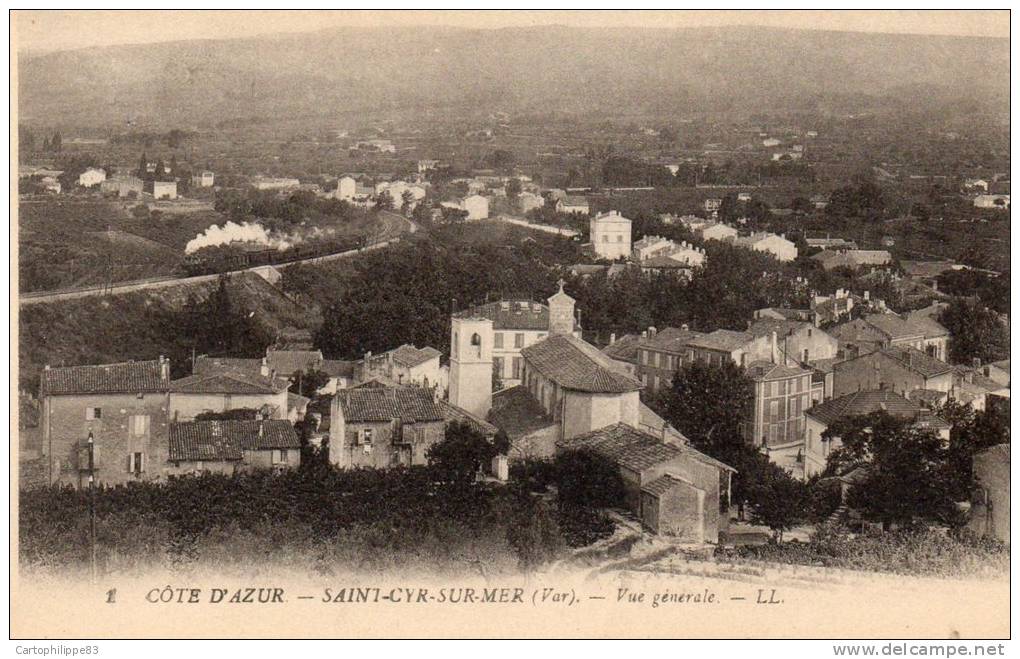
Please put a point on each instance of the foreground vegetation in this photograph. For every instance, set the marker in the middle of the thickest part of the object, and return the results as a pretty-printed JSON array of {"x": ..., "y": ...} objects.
[{"x": 916, "y": 551}]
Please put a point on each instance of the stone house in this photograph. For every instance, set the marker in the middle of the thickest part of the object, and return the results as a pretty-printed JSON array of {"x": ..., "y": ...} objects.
[
  {"x": 229, "y": 390},
  {"x": 902, "y": 369},
  {"x": 384, "y": 426},
  {"x": 123, "y": 185},
  {"x": 91, "y": 177},
  {"x": 124, "y": 407},
  {"x": 716, "y": 231},
  {"x": 230, "y": 446},
  {"x": 674, "y": 490},
  {"x": 770, "y": 243},
  {"x": 477, "y": 207}
]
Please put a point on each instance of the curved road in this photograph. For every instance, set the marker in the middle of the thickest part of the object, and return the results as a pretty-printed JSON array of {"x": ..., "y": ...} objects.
[{"x": 388, "y": 236}]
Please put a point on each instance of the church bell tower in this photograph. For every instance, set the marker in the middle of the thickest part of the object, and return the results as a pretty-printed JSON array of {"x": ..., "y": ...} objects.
[{"x": 471, "y": 341}]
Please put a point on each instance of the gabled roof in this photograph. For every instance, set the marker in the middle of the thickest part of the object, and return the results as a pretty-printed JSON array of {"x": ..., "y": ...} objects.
[
  {"x": 669, "y": 339},
  {"x": 453, "y": 413},
  {"x": 225, "y": 440},
  {"x": 925, "y": 269},
  {"x": 1002, "y": 365},
  {"x": 205, "y": 365},
  {"x": 764, "y": 370},
  {"x": 516, "y": 412},
  {"x": 782, "y": 328},
  {"x": 228, "y": 383},
  {"x": 926, "y": 326},
  {"x": 864, "y": 402},
  {"x": 721, "y": 339},
  {"x": 634, "y": 449},
  {"x": 577, "y": 365},
  {"x": 409, "y": 404},
  {"x": 574, "y": 200},
  {"x": 625, "y": 349},
  {"x": 917, "y": 360},
  {"x": 408, "y": 356},
  {"x": 893, "y": 326},
  {"x": 664, "y": 263},
  {"x": 120, "y": 378}
]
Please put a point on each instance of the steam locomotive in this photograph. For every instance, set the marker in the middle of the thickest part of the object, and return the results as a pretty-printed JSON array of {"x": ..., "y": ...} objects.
[{"x": 228, "y": 258}]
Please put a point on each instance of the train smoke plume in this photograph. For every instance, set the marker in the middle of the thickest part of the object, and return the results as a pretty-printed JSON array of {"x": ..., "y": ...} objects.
[{"x": 231, "y": 232}]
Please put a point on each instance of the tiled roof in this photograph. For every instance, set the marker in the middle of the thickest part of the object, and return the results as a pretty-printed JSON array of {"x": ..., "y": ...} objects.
[
  {"x": 782, "y": 328},
  {"x": 864, "y": 402},
  {"x": 925, "y": 269},
  {"x": 857, "y": 331},
  {"x": 205, "y": 365},
  {"x": 513, "y": 314},
  {"x": 893, "y": 326},
  {"x": 624, "y": 445},
  {"x": 1002, "y": 365},
  {"x": 926, "y": 326},
  {"x": 574, "y": 200},
  {"x": 228, "y": 383},
  {"x": 827, "y": 365},
  {"x": 289, "y": 362},
  {"x": 516, "y": 412},
  {"x": 916, "y": 360},
  {"x": 664, "y": 262},
  {"x": 670, "y": 339},
  {"x": 927, "y": 397},
  {"x": 722, "y": 339},
  {"x": 409, "y": 356},
  {"x": 453, "y": 413},
  {"x": 409, "y": 404},
  {"x": 575, "y": 364},
  {"x": 122, "y": 378},
  {"x": 625, "y": 349},
  {"x": 225, "y": 440},
  {"x": 296, "y": 401},
  {"x": 664, "y": 484},
  {"x": 765, "y": 370}
]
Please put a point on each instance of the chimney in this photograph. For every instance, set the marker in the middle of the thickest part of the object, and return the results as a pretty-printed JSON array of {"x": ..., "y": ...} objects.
[
  {"x": 685, "y": 327},
  {"x": 644, "y": 334},
  {"x": 977, "y": 362},
  {"x": 612, "y": 338},
  {"x": 775, "y": 349},
  {"x": 651, "y": 330},
  {"x": 164, "y": 368},
  {"x": 260, "y": 429},
  {"x": 264, "y": 368}
]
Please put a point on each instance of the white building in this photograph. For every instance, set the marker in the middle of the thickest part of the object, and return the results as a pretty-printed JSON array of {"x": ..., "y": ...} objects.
[
  {"x": 999, "y": 201},
  {"x": 164, "y": 189},
  {"x": 528, "y": 201},
  {"x": 91, "y": 176},
  {"x": 777, "y": 246},
  {"x": 610, "y": 235},
  {"x": 346, "y": 188},
  {"x": 477, "y": 207},
  {"x": 203, "y": 179},
  {"x": 573, "y": 204},
  {"x": 265, "y": 183},
  {"x": 716, "y": 231}
]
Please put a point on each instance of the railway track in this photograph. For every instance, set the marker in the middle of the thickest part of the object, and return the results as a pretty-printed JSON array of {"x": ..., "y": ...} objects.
[{"x": 399, "y": 226}]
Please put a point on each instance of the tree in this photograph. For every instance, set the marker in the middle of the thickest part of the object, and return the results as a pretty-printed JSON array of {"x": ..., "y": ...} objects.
[
  {"x": 909, "y": 474},
  {"x": 513, "y": 189},
  {"x": 708, "y": 403},
  {"x": 217, "y": 326},
  {"x": 55, "y": 143},
  {"x": 975, "y": 332},
  {"x": 462, "y": 452},
  {"x": 143, "y": 167},
  {"x": 502, "y": 159},
  {"x": 780, "y": 501},
  {"x": 407, "y": 201},
  {"x": 307, "y": 383},
  {"x": 384, "y": 201},
  {"x": 585, "y": 479}
]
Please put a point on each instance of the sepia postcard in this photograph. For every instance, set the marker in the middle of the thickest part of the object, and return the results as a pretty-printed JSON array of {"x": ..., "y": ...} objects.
[{"x": 511, "y": 324}]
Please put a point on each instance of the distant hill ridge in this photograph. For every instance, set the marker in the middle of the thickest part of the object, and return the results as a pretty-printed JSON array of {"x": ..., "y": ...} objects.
[{"x": 551, "y": 68}]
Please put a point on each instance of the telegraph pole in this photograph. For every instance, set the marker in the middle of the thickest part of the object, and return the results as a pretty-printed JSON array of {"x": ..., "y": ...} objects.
[{"x": 92, "y": 506}]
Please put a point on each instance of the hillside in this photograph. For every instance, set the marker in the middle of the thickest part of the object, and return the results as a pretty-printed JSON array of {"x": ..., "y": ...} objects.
[
  {"x": 433, "y": 72},
  {"x": 139, "y": 325}
]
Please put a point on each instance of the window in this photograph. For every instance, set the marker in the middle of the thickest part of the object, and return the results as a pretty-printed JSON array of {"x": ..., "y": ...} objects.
[
  {"x": 519, "y": 340},
  {"x": 773, "y": 410},
  {"x": 136, "y": 463},
  {"x": 366, "y": 437},
  {"x": 806, "y": 353},
  {"x": 619, "y": 238},
  {"x": 498, "y": 340},
  {"x": 138, "y": 425},
  {"x": 605, "y": 238},
  {"x": 456, "y": 343},
  {"x": 476, "y": 340},
  {"x": 280, "y": 457},
  {"x": 497, "y": 365},
  {"x": 93, "y": 413},
  {"x": 517, "y": 367}
]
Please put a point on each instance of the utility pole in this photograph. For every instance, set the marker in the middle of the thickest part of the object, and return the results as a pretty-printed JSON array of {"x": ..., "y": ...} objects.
[{"x": 92, "y": 505}]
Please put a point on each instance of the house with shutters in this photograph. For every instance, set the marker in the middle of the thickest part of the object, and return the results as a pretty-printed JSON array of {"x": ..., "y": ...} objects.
[
  {"x": 124, "y": 406},
  {"x": 228, "y": 447},
  {"x": 900, "y": 368},
  {"x": 384, "y": 426},
  {"x": 228, "y": 390}
]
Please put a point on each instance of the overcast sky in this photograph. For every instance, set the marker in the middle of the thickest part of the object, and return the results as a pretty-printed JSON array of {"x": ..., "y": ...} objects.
[{"x": 60, "y": 30}]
